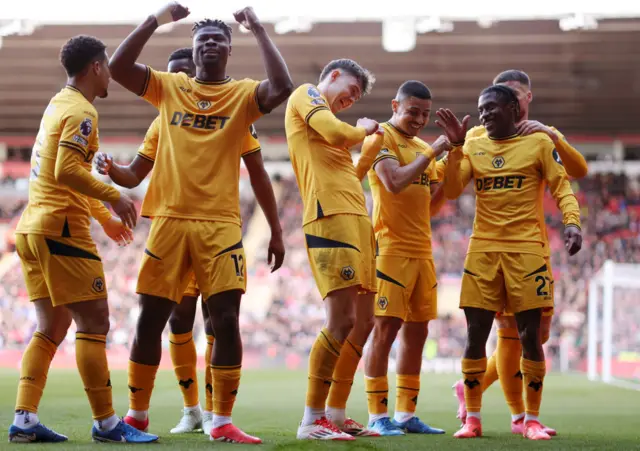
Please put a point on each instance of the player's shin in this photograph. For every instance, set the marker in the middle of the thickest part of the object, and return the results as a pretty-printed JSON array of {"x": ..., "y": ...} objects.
[
  {"x": 532, "y": 365},
  {"x": 508, "y": 355},
  {"x": 474, "y": 363},
  {"x": 350, "y": 356},
  {"x": 145, "y": 356},
  {"x": 226, "y": 361},
  {"x": 376, "y": 366},
  {"x": 183, "y": 356},
  {"x": 91, "y": 358},
  {"x": 343, "y": 376},
  {"x": 491, "y": 375},
  {"x": 208, "y": 378},
  {"x": 322, "y": 362},
  {"x": 34, "y": 368}
]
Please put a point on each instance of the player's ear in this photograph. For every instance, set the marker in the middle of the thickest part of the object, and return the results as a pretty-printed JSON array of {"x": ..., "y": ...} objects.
[
  {"x": 394, "y": 105},
  {"x": 529, "y": 96},
  {"x": 334, "y": 75}
]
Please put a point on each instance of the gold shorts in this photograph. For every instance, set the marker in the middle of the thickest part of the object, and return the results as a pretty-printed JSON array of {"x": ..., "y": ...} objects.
[
  {"x": 192, "y": 289},
  {"x": 506, "y": 281},
  {"x": 547, "y": 311},
  {"x": 341, "y": 250},
  {"x": 407, "y": 288},
  {"x": 177, "y": 248},
  {"x": 66, "y": 270}
]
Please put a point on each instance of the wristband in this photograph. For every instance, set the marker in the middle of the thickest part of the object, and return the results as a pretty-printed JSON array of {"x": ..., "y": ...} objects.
[{"x": 164, "y": 16}]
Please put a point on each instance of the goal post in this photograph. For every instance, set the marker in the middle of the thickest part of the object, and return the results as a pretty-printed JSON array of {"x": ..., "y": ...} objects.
[{"x": 609, "y": 361}]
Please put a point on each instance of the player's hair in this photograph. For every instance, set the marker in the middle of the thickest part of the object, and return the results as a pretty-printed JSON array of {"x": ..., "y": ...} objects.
[
  {"x": 504, "y": 94},
  {"x": 513, "y": 75},
  {"x": 184, "y": 53},
  {"x": 413, "y": 88},
  {"x": 79, "y": 51},
  {"x": 364, "y": 76},
  {"x": 226, "y": 29}
]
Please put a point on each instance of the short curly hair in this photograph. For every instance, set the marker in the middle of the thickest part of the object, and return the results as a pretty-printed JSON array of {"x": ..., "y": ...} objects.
[
  {"x": 79, "y": 51},
  {"x": 364, "y": 76},
  {"x": 504, "y": 94},
  {"x": 184, "y": 53},
  {"x": 226, "y": 29}
]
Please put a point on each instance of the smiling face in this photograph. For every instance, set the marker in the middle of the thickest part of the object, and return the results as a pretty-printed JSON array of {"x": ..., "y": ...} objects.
[
  {"x": 211, "y": 47},
  {"x": 497, "y": 115},
  {"x": 411, "y": 114},
  {"x": 341, "y": 89}
]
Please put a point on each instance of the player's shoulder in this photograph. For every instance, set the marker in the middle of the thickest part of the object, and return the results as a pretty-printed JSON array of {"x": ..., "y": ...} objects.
[
  {"x": 244, "y": 83},
  {"x": 70, "y": 102},
  {"x": 307, "y": 90},
  {"x": 476, "y": 132}
]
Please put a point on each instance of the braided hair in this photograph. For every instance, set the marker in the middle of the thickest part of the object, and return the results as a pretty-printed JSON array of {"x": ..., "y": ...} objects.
[{"x": 226, "y": 29}]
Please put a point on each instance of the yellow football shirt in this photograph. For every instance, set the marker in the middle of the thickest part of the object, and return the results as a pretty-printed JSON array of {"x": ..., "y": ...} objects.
[
  {"x": 402, "y": 221},
  {"x": 319, "y": 149},
  {"x": 479, "y": 130},
  {"x": 69, "y": 123},
  {"x": 149, "y": 147},
  {"x": 509, "y": 177},
  {"x": 200, "y": 131}
]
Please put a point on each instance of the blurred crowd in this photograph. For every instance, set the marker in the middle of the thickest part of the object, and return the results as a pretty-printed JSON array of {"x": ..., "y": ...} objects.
[{"x": 283, "y": 311}]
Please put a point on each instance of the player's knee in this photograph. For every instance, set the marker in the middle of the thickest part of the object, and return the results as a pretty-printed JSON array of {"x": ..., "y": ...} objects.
[
  {"x": 414, "y": 335},
  {"x": 385, "y": 331},
  {"x": 531, "y": 343},
  {"x": 91, "y": 317},
  {"x": 56, "y": 329},
  {"x": 225, "y": 321},
  {"x": 364, "y": 325},
  {"x": 180, "y": 323},
  {"x": 340, "y": 326}
]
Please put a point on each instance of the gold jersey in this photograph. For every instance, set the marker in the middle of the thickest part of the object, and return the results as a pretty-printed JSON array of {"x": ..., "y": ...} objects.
[
  {"x": 402, "y": 221},
  {"x": 201, "y": 126},
  {"x": 571, "y": 159},
  {"x": 149, "y": 147},
  {"x": 319, "y": 149},
  {"x": 67, "y": 138},
  {"x": 509, "y": 177}
]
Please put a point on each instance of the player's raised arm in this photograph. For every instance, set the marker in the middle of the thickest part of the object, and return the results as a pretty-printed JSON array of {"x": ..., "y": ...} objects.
[
  {"x": 278, "y": 85},
  {"x": 560, "y": 188},
  {"x": 338, "y": 133},
  {"x": 458, "y": 170},
  {"x": 123, "y": 66},
  {"x": 574, "y": 162},
  {"x": 396, "y": 178},
  {"x": 438, "y": 198},
  {"x": 370, "y": 149}
]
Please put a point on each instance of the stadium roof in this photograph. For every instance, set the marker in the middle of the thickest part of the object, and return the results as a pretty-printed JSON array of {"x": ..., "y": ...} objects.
[
  {"x": 584, "y": 82},
  {"x": 127, "y": 11}
]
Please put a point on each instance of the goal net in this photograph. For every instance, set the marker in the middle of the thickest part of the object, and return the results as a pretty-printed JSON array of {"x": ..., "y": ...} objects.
[{"x": 613, "y": 352}]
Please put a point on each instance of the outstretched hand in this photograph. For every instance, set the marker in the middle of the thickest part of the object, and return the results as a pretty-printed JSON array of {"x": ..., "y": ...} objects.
[{"x": 455, "y": 130}]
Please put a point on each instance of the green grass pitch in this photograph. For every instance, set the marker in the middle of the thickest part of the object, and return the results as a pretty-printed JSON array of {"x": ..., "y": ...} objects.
[{"x": 588, "y": 416}]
